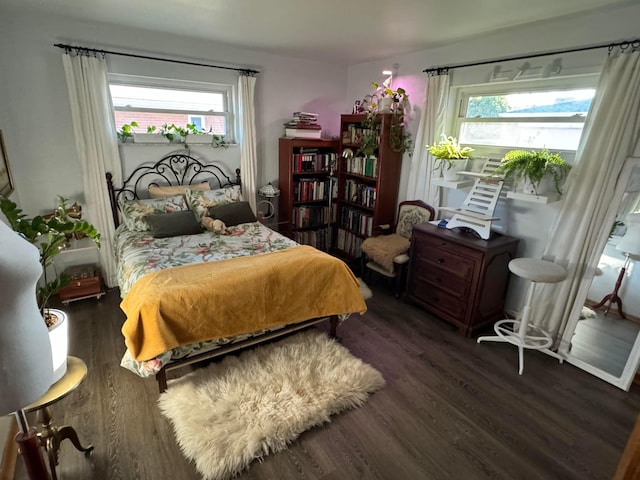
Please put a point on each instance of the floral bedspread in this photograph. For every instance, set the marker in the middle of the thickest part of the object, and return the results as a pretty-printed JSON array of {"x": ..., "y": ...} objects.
[{"x": 138, "y": 253}]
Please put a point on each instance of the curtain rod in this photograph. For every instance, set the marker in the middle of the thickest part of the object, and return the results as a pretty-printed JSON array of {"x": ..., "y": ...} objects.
[
  {"x": 68, "y": 48},
  {"x": 622, "y": 44}
]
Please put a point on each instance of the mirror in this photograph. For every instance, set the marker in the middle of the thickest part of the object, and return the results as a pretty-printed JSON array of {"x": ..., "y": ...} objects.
[{"x": 603, "y": 336}]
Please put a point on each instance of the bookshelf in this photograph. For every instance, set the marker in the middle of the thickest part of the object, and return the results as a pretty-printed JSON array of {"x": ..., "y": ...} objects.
[
  {"x": 305, "y": 167},
  {"x": 367, "y": 188}
]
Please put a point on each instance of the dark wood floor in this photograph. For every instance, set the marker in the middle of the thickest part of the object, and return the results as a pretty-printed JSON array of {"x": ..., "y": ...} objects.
[{"x": 452, "y": 409}]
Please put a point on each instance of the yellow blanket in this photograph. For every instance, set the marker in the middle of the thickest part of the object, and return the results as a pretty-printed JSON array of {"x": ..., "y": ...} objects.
[{"x": 193, "y": 303}]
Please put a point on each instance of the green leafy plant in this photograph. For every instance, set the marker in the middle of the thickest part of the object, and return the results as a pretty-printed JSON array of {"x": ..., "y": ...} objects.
[
  {"x": 534, "y": 165},
  {"x": 399, "y": 96},
  {"x": 126, "y": 131},
  {"x": 448, "y": 150},
  {"x": 399, "y": 138},
  {"x": 50, "y": 236}
]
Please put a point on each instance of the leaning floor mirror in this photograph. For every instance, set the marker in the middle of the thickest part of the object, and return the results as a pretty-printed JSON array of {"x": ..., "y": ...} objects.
[{"x": 602, "y": 337}]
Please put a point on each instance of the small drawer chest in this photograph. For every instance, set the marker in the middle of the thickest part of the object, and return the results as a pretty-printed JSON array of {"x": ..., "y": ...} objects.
[
  {"x": 459, "y": 277},
  {"x": 85, "y": 283}
]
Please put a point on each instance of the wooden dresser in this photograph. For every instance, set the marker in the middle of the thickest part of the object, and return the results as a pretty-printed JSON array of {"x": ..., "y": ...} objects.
[{"x": 459, "y": 277}]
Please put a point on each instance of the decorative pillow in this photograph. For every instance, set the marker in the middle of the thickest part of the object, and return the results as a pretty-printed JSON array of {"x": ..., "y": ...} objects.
[
  {"x": 199, "y": 201},
  {"x": 173, "y": 224},
  {"x": 233, "y": 213},
  {"x": 134, "y": 211},
  {"x": 164, "y": 191}
]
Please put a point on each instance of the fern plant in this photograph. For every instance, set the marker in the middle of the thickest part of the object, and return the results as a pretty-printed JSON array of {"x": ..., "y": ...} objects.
[{"x": 534, "y": 166}]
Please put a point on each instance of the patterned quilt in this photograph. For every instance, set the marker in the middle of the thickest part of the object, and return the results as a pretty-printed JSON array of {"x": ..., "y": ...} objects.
[{"x": 138, "y": 253}]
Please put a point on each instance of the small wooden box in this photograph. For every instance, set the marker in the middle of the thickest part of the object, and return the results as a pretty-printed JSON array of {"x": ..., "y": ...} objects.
[{"x": 85, "y": 283}]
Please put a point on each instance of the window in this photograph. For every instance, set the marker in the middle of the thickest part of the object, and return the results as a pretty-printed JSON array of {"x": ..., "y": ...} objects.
[
  {"x": 545, "y": 114},
  {"x": 153, "y": 101}
]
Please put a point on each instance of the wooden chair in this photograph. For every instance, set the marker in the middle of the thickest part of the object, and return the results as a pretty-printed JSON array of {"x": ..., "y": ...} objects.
[{"x": 386, "y": 252}]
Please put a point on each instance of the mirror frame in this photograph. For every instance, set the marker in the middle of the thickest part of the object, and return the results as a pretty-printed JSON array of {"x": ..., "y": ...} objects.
[{"x": 633, "y": 361}]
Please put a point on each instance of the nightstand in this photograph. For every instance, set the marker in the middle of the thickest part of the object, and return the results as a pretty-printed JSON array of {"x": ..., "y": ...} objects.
[
  {"x": 81, "y": 261},
  {"x": 85, "y": 283}
]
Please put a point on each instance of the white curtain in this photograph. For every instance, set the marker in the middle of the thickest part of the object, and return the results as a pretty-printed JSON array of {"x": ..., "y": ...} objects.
[
  {"x": 248, "y": 156},
  {"x": 432, "y": 125},
  {"x": 610, "y": 134},
  {"x": 96, "y": 144}
]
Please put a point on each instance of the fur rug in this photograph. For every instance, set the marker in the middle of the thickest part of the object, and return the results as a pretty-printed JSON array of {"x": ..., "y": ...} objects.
[
  {"x": 247, "y": 406},
  {"x": 364, "y": 289}
]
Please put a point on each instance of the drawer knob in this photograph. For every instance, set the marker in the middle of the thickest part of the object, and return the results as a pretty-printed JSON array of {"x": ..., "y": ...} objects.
[{"x": 441, "y": 260}]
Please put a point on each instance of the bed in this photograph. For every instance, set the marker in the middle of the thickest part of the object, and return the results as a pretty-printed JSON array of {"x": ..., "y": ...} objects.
[{"x": 191, "y": 295}]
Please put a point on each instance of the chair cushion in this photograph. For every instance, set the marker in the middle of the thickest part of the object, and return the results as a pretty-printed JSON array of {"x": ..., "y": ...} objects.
[{"x": 384, "y": 248}]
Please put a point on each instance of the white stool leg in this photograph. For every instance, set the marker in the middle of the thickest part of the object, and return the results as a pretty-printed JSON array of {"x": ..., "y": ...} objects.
[{"x": 520, "y": 359}]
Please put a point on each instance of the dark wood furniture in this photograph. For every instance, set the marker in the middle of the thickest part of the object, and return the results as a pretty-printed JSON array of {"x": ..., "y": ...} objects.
[
  {"x": 459, "y": 277},
  {"x": 182, "y": 169},
  {"x": 85, "y": 283},
  {"x": 357, "y": 218},
  {"x": 304, "y": 178}
]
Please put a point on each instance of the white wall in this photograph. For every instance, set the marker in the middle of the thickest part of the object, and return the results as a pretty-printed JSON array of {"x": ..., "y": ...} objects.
[
  {"x": 530, "y": 223},
  {"x": 36, "y": 120}
]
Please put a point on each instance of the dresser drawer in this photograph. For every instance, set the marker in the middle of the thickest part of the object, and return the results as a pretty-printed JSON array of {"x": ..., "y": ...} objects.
[
  {"x": 440, "y": 302},
  {"x": 82, "y": 287},
  {"x": 446, "y": 260},
  {"x": 429, "y": 276}
]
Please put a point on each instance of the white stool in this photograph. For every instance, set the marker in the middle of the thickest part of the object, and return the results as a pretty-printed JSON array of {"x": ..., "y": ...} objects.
[{"x": 519, "y": 332}]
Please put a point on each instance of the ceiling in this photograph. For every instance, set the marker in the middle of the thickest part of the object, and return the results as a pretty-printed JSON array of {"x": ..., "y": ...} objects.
[{"x": 337, "y": 31}]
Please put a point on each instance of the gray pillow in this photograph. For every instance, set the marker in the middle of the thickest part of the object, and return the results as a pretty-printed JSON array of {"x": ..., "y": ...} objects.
[
  {"x": 173, "y": 224},
  {"x": 233, "y": 213}
]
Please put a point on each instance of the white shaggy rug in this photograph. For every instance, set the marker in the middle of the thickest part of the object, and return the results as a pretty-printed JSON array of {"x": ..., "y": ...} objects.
[
  {"x": 247, "y": 406},
  {"x": 364, "y": 289}
]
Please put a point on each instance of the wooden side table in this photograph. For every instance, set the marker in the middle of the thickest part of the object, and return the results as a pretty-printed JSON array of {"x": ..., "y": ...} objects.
[{"x": 50, "y": 435}]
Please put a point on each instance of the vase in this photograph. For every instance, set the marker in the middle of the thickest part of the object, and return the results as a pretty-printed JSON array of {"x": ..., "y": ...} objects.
[
  {"x": 451, "y": 167},
  {"x": 385, "y": 104},
  {"x": 544, "y": 186},
  {"x": 59, "y": 338}
]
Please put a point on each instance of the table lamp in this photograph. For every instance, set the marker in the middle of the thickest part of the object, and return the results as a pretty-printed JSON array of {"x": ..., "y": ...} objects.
[
  {"x": 268, "y": 191},
  {"x": 630, "y": 246},
  {"x": 26, "y": 370}
]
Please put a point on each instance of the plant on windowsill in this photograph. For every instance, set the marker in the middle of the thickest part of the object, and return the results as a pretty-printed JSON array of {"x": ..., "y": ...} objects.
[
  {"x": 450, "y": 156},
  {"x": 533, "y": 167},
  {"x": 126, "y": 131},
  {"x": 175, "y": 133}
]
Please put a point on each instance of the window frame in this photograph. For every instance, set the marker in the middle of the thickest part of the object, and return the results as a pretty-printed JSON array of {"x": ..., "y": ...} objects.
[
  {"x": 462, "y": 93},
  {"x": 227, "y": 90}
]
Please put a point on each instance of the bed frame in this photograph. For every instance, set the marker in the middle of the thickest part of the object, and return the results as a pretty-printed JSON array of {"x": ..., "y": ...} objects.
[
  {"x": 182, "y": 169},
  {"x": 171, "y": 170}
]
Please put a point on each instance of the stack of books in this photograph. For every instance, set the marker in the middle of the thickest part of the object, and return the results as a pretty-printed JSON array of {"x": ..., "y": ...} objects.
[{"x": 303, "y": 125}]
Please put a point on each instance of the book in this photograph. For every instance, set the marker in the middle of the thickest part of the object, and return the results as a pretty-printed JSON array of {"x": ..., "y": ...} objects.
[{"x": 302, "y": 133}]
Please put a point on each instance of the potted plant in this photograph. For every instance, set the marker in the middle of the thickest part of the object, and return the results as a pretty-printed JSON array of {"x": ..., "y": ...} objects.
[
  {"x": 386, "y": 100},
  {"x": 530, "y": 168},
  {"x": 396, "y": 101},
  {"x": 50, "y": 235},
  {"x": 450, "y": 156},
  {"x": 126, "y": 131}
]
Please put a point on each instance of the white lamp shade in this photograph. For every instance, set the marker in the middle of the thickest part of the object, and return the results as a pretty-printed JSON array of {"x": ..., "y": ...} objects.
[
  {"x": 269, "y": 191},
  {"x": 630, "y": 243},
  {"x": 26, "y": 370}
]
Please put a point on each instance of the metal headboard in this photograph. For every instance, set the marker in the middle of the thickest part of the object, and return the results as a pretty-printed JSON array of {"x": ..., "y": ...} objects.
[{"x": 174, "y": 169}]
